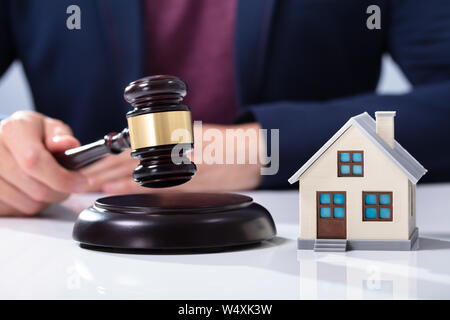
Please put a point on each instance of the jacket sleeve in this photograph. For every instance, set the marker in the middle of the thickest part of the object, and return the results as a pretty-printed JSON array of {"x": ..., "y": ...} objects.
[
  {"x": 7, "y": 52},
  {"x": 419, "y": 41}
]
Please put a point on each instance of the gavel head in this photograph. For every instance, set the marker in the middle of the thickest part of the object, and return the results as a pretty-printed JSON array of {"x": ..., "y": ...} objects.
[{"x": 160, "y": 130}]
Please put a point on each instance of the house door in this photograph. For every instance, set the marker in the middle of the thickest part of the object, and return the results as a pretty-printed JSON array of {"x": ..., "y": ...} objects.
[{"x": 331, "y": 215}]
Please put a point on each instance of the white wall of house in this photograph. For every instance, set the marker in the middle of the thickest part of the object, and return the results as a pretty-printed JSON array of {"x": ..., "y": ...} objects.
[{"x": 380, "y": 174}]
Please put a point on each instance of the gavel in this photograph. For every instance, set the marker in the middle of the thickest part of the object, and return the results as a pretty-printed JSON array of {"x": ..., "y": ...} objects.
[{"x": 157, "y": 113}]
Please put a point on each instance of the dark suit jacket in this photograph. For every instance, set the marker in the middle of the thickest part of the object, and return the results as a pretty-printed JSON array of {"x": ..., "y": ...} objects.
[{"x": 304, "y": 66}]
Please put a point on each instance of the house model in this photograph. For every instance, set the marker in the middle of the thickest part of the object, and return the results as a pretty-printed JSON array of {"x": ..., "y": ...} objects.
[{"x": 358, "y": 190}]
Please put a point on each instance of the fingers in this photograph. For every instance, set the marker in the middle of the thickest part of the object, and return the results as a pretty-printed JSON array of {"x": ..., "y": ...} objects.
[
  {"x": 124, "y": 171},
  {"x": 7, "y": 211},
  {"x": 15, "y": 201},
  {"x": 112, "y": 161},
  {"x": 110, "y": 169},
  {"x": 11, "y": 172},
  {"x": 123, "y": 186},
  {"x": 23, "y": 138},
  {"x": 203, "y": 181},
  {"x": 30, "y": 178},
  {"x": 58, "y": 136}
]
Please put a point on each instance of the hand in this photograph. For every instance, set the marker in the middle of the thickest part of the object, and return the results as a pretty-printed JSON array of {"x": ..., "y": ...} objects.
[
  {"x": 113, "y": 175},
  {"x": 109, "y": 171},
  {"x": 30, "y": 178}
]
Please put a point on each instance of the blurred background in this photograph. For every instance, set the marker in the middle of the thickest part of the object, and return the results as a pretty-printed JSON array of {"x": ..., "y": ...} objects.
[{"x": 15, "y": 93}]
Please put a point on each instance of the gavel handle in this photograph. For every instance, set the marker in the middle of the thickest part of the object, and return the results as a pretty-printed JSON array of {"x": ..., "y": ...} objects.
[{"x": 77, "y": 158}]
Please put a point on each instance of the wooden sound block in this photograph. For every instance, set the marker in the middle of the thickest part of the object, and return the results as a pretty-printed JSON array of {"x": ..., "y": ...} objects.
[{"x": 173, "y": 221}]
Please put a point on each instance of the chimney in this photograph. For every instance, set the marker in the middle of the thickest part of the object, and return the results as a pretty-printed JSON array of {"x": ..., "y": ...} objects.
[{"x": 385, "y": 126}]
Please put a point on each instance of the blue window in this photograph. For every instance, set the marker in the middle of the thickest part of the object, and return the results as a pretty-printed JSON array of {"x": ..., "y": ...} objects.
[
  {"x": 325, "y": 212},
  {"x": 370, "y": 199},
  {"x": 345, "y": 170},
  {"x": 357, "y": 156},
  {"x": 345, "y": 157},
  {"x": 339, "y": 198},
  {"x": 385, "y": 213},
  {"x": 331, "y": 205},
  {"x": 325, "y": 198},
  {"x": 385, "y": 199},
  {"x": 339, "y": 212},
  {"x": 357, "y": 170},
  {"x": 350, "y": 163},
  {"x": 377, "y": 206},
  {"x": 371, "y": 213}
]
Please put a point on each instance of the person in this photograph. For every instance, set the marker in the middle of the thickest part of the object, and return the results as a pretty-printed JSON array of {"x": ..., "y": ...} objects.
[{"x": 301, "y": 66}]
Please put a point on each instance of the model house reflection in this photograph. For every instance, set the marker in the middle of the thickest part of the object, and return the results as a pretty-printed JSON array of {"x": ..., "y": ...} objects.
[{"x": 370, "y": 275}]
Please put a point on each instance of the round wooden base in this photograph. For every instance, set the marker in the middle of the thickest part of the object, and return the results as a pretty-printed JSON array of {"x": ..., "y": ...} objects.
[{"x": 171, "y": 221}]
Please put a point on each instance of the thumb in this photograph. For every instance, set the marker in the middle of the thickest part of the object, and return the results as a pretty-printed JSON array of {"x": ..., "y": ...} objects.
[{"x": 58, "y": 136}]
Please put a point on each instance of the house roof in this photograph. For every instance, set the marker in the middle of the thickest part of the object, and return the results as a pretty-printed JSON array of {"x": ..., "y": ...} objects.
[{"x": 367, "y": 125}]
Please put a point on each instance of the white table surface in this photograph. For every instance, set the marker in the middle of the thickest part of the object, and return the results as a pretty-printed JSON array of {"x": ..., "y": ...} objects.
[{"x": 38, "y": 259}]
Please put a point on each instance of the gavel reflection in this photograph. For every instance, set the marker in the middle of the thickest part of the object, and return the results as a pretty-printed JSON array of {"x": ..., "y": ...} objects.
[{"x": 157, "y": 112}]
